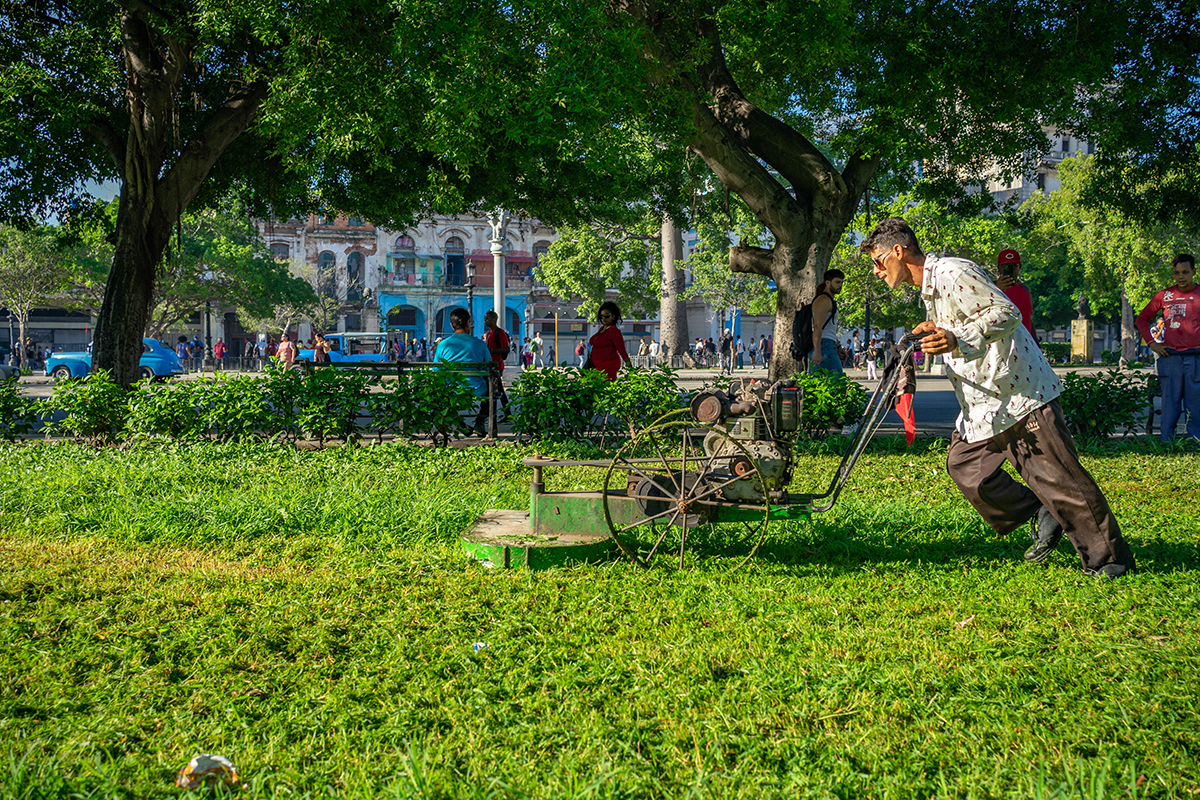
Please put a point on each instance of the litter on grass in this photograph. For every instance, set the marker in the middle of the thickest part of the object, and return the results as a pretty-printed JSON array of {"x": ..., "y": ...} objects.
[{"x": 207, "y": 769}]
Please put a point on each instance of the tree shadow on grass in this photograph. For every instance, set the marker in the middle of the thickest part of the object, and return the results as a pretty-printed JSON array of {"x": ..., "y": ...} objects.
[{"x": 845, "y": 546}]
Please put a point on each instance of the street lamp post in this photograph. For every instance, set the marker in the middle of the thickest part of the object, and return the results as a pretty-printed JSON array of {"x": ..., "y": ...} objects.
[{"x": 208, "y": 353}]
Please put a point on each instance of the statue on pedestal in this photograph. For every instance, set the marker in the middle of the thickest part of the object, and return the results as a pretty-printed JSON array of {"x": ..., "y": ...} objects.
[
  {"x": 1083, "y": 308},
  {"x": 499, "y": 222}
]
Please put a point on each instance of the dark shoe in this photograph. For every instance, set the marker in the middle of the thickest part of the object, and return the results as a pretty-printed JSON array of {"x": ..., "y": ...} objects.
[
  {"x": 1047, "y": 533},
  {"x": 1110, "y": 571}
]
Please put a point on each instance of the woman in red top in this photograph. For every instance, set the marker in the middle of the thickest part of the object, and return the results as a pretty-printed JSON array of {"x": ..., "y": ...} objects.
[{"x": 608, "y": 347}]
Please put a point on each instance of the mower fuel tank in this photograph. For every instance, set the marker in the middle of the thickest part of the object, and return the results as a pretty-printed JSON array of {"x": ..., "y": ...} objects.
[{"x": 786, "y": 408}]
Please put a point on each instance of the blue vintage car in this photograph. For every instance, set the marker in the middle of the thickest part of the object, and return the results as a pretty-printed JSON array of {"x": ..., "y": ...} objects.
[
  {"x": 157, "y": 362},
  {"x": 360, "y": 346}
]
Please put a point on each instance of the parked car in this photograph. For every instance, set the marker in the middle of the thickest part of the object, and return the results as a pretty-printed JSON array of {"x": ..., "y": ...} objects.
[
  {"x": 157, "y": 362},
  {"x": 360, "y": 346},
  {"x": 6, "y": 371}
]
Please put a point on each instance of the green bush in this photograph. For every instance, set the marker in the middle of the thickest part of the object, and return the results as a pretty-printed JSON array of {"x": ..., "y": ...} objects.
[
  {"x": 1097, "y": 406},
  {"x": 422, "y": 403},
  {"x": 560, "y": 404},
  {"x": 434, "y": 402},
  {"x": 829, "y": 400},
  {"x": 1056, "y": 352},
  {"x": 167, "y": 409},
  {"x": 94, "y": 406},
  {"x": 283, "y": 389},
  {"x": 236, "y": 407},
  {"x": 18, "y": 415},
  {"x": 328, "y": 403},
  {"x": 640, "y": 396}
]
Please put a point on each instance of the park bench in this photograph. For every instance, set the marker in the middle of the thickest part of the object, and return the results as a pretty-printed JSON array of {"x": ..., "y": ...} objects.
[{"x": 394, "y": 369}]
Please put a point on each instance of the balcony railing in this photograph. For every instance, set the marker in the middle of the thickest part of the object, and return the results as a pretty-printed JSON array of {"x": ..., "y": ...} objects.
[{"x": 516, "y": 282}]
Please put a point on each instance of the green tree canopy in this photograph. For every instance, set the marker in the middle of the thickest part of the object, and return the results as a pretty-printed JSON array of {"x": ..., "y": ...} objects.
[
  {"x": 799, "y": 132},
  {"x": 374, "y": 108}
]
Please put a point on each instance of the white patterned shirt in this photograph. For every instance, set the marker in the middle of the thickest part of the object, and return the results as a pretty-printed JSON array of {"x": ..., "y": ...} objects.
[{"x": 998, "y": 371}]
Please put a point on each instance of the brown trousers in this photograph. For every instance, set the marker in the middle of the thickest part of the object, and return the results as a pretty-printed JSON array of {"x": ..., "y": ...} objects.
[{"x": 1043, "y": 452}]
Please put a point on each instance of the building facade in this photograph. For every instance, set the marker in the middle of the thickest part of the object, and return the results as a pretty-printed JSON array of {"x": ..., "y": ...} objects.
[{"x": 408, "y": 282}]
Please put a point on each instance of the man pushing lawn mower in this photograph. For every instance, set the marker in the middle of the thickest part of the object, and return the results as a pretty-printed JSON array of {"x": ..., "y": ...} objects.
[{"x": 1010, "y": 411}]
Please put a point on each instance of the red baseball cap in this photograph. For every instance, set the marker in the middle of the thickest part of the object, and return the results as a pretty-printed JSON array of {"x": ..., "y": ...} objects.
[{"x": 1009, "y": 257}]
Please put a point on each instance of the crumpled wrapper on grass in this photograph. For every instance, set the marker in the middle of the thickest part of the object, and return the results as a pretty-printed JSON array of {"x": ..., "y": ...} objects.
[{"x": 207, "y": 770}]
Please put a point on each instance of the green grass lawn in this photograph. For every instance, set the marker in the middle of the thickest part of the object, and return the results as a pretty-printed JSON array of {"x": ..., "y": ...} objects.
[{"x": 312, "y": 616}]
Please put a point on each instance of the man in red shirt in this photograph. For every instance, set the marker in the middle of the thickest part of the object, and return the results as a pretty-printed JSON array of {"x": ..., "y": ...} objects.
[
  {"x": 1009, "y": 262},
  {"x": 1179, "y": 353},
  {"x": 498, "y": 345}
]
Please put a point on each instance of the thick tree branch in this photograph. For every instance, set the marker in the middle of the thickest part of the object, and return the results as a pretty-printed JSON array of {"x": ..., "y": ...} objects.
[
  {"x": 102, "y": 130},
  {"x": 858, "y": 173},
  {"x": 182, "y": 182},
  {"x": 780, "y": 145},
  {"x": 741, "y": 173},
  {"x": 749, "y": 259}
]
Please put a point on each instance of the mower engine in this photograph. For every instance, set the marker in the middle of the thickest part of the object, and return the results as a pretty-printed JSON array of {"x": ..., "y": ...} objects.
[{"x": 753, "y": 426}]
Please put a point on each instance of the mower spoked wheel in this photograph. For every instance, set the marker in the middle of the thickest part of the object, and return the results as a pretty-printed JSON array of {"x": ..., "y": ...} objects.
[{"x": 677, "y": 488}]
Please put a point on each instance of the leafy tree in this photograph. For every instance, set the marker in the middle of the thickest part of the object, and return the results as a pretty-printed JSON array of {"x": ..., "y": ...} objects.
[
  {"x": 217, "y": 258},
  {"x": 1146, "y": 121},
  {"x": 31, "y": 275},
  {"x": 587, "y": 260},
  {"x": 369, "y": 107},
  {"x": 958, "y": 89},
  {"x": 1116, "y": 260},
  {"x": 222, "y": 260},
  {"x": 318, "y": 302},
  {"x": 719, "y": 222}
]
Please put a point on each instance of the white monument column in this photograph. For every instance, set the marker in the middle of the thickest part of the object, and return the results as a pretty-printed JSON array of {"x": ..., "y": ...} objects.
[{"x": 499, "y": 222}]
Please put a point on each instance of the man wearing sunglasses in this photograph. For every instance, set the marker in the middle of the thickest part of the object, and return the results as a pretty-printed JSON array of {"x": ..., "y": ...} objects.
[{"x": 1010, "y": 411}]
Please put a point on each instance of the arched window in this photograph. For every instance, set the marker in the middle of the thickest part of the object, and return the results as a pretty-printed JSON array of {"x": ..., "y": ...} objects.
[
  {"x": 280, "y": 250},
  {"x": 326, "y": 283},
  {"x": 405, "y": 243},
  {"x": 354, "y": 277},
  {"x": 539, "y": 249},
  {"x": 442, "y": 322},
  {"x": 456, "y": 271},
  {"x": 402, "y": 317}
]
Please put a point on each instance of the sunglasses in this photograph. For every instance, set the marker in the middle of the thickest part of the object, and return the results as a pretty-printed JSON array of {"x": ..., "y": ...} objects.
[{"x": 878, "y": 260}]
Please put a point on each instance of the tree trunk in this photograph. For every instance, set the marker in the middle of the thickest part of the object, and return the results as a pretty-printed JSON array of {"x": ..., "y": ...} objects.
[
  {"x": 673, "y": 330},
  {"x": 121, "y": 323},
  {"x": 22, "y": 333},
  {"x": 802, "y": 199},
  {"x": 154, "y": 191},
  {"x": 1129, "y": 333}
]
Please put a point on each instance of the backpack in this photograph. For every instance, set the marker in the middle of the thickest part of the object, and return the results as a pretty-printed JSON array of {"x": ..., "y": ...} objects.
[
  {"x": 534, "y": 347},
  {"x": 579, "y": 349},
  {"x": 802, "y": 329}
]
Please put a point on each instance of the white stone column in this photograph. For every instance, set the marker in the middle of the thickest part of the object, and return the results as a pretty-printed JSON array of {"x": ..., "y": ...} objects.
[{"x": 499, "y": 222}]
